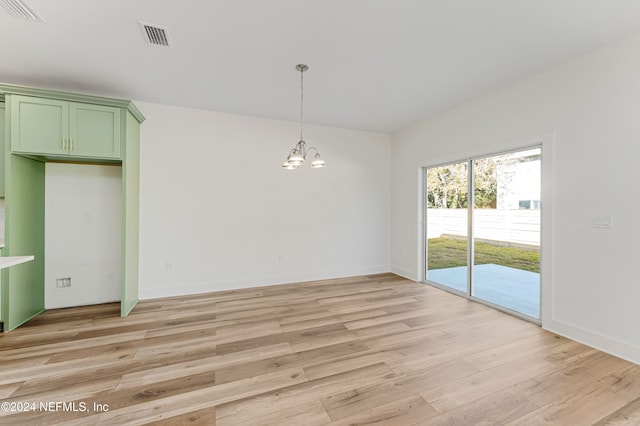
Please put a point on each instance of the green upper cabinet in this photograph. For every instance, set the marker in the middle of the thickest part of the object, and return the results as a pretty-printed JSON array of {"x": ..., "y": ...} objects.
[{"x": 42, "y": 126}]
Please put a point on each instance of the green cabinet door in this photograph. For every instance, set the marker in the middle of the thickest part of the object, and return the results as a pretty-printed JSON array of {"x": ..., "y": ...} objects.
[
  {"x": 94, "y": 131},
  {"x": 38, "y": 125}
]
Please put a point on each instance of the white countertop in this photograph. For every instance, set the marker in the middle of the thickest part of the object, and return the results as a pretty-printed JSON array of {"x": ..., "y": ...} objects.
[{"x": 7, "y": 261}]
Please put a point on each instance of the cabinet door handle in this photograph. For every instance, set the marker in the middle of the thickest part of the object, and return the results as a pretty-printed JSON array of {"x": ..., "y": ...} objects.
[
  {"x": 64, "y": 144},
  {"x": 70, "y": 144}
]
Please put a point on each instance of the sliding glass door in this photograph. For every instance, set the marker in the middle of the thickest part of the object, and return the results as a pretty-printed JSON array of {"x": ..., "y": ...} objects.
[
  {"x": 506, "y": 231},
  {"x": 483, "y": 229},
  {"x": 447, "y": 201}
]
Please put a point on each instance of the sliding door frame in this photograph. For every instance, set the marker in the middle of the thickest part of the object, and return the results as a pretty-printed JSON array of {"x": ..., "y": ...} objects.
[{"x": 543, "y": 141}]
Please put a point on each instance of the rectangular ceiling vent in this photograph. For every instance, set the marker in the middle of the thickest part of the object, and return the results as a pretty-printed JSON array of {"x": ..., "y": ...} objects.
[
  {"x": 155, "y": 35},
  {"x": 20, "y": 9}
]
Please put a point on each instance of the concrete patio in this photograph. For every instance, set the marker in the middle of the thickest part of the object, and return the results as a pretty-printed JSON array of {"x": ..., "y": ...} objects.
[{"x": 511, "y": 288}]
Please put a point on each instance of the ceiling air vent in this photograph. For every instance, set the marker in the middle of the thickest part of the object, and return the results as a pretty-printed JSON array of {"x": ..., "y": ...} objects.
[
  {"x": 154, "y": 34},
  {"x": 20, "y": 9}
]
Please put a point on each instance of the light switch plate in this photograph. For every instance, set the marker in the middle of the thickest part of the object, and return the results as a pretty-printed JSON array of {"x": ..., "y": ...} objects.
[{"x": 602, "y": 221}]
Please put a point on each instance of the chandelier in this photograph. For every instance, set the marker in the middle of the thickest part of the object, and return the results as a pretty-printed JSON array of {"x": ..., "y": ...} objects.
[{"x": 298, "y": 155}]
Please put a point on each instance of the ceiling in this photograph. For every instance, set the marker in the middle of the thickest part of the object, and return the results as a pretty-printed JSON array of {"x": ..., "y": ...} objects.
[{"x": 376, "y": 65}]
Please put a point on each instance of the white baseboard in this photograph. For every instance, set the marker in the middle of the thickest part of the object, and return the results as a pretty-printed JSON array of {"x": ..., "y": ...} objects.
[
  {"x": 208, "y": 287},
  {"x": 603, "y": 343},
  {"x": 404, "y": 273}
]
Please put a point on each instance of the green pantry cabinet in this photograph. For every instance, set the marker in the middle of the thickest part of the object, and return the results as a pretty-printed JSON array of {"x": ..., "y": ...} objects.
[{"x": 40, "y": 126}]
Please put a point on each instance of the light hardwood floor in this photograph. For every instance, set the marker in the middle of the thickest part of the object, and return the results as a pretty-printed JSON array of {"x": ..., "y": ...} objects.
[{"x": 363, "y": 350}]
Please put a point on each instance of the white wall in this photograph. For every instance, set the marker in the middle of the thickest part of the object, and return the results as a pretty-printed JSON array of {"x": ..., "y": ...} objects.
[
  {"x": 83, "y": 227},
  {"x": 591, "y": 293},
  {"x": 218, "y": 212}
]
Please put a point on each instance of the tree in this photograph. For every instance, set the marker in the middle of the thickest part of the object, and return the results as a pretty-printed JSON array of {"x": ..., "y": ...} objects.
[
  {"x": 447, "y": 186},
  {"x": 485, "y": 189}
]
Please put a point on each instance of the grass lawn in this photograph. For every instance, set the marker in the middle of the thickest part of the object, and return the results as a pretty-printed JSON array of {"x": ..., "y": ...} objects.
[{"x": 448, "y": 253}]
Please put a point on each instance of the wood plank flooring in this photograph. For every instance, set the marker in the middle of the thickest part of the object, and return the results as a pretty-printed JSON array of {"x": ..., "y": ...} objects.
[{"x": 362, "y": 350}]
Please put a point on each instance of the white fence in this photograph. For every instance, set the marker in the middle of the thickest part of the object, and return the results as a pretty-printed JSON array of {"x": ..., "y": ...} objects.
[{"x": 509, "y": 226}]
